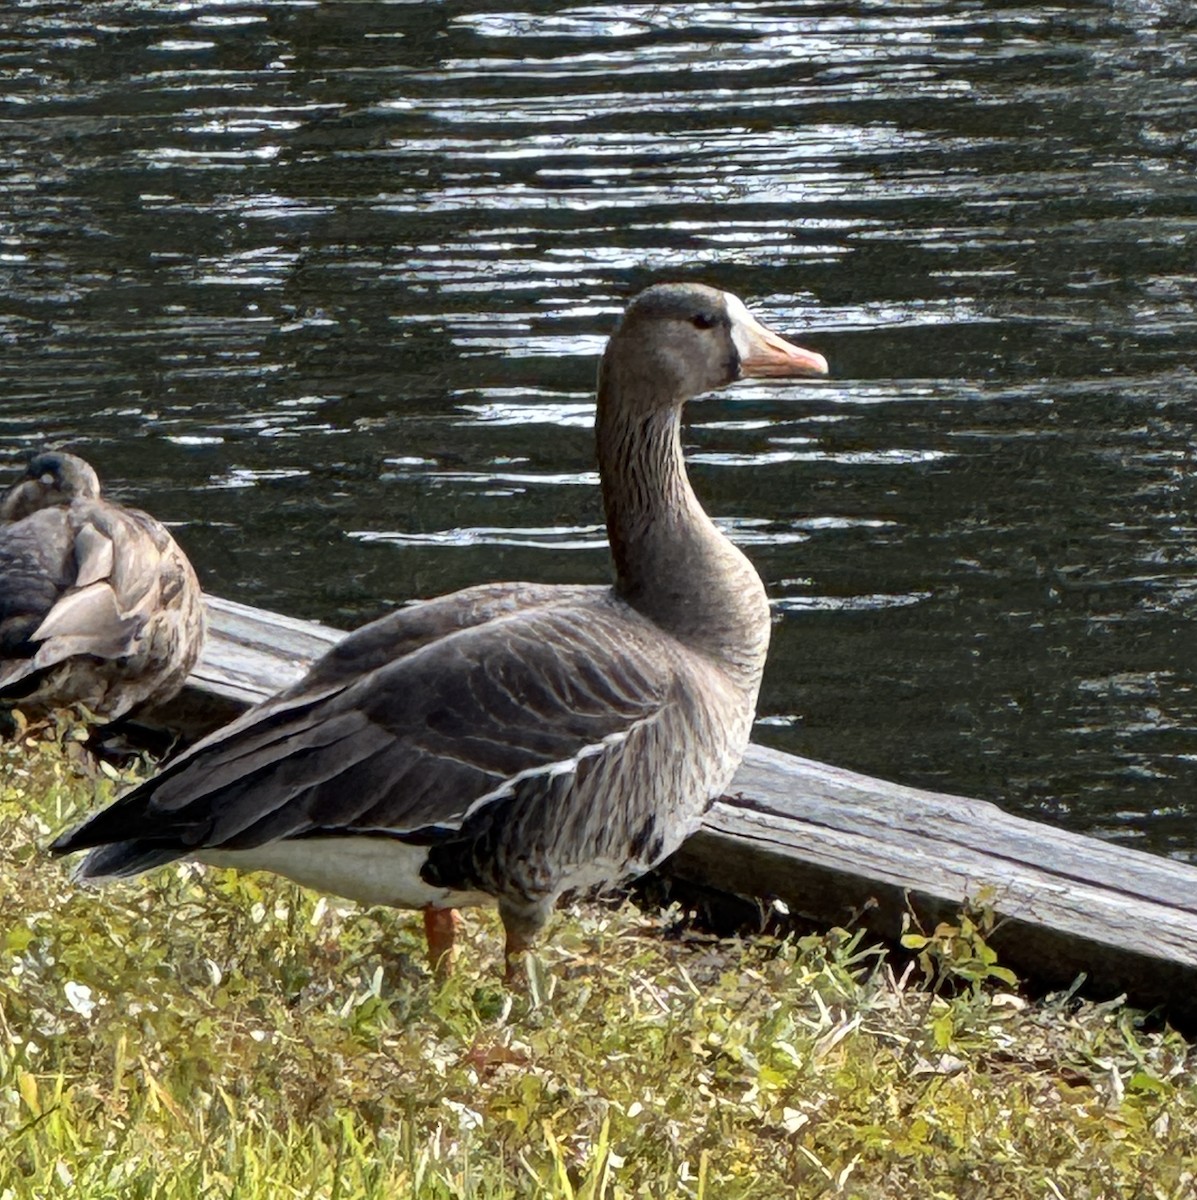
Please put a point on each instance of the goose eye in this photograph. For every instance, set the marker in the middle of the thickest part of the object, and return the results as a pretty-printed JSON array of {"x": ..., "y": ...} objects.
[{"x": 702, "y": 321}]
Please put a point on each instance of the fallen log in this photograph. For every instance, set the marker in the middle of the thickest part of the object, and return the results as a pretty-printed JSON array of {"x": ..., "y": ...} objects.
[{"x": 838, "y": 848}]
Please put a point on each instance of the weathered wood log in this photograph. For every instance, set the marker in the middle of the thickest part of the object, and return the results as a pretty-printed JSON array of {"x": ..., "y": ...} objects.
[{"x": 842, "y": 848}]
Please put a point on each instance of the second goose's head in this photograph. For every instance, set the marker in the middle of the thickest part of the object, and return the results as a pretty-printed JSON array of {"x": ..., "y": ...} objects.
[
  {"x": 52, "y": 478},
  {"x": 679, "y": 340}
]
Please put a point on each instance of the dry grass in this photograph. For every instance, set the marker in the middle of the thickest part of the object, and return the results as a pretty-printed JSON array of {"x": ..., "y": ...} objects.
[{"x": 201, "y": 1034}]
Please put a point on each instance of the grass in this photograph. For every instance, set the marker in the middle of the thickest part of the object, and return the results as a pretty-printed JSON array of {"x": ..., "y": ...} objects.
[{"x": 199, "y": 1034}]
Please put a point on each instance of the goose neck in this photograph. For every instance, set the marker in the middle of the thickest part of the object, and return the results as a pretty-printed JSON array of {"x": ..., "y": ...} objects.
[{"x": 671, "y": 563}]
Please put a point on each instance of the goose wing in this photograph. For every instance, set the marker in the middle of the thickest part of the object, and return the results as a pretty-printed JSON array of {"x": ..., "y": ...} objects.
[
  {"x": 37, "y": 569},
  {"x": 82, "y": 580},
  {"x": 480, "y": 692}
]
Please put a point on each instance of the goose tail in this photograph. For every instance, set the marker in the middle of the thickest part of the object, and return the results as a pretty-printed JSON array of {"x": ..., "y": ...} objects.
[{"x": 118, "y": 860}]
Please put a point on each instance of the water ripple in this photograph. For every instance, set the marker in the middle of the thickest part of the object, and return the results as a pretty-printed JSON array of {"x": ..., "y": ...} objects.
[{"x": 324, "y": 279}]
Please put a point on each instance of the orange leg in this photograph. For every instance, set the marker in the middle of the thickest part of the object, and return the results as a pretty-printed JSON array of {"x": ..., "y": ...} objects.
[
  {"x": 522, "y": 924},
  {"x": 516, "y": 973},
  {"x": 440, "y": 928}
]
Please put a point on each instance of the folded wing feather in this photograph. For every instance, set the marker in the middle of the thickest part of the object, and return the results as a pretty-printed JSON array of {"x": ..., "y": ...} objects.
[
  {"x": 505, "y": 691},
  {"x": 94, "y": 556}
]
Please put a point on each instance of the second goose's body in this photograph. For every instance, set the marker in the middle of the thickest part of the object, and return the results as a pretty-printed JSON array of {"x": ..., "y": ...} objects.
[
  {"x": 510, "y": 741},
  {"x": 98, "y": 605}
]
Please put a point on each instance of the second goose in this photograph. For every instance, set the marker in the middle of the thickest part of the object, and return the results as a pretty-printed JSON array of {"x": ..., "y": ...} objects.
[{"x": 98, "y": 605}]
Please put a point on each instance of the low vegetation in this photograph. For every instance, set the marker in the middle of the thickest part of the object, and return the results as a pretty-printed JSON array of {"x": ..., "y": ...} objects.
[{"x": 202, "y": 1034}]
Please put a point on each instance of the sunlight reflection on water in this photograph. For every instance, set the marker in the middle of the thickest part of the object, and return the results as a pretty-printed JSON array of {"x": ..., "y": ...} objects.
[{"x": 328, "y": 282}]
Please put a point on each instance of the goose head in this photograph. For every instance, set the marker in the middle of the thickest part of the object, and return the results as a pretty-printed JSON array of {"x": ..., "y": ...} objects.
[
  {"x": 680, "y": 340},
  {"x": 51, "y": 478}
]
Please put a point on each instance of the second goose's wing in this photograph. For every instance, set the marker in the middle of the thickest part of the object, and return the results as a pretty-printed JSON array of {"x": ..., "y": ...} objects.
[
  {"x": 85, "y": 581},
  {"x": 37, "y": 569}
]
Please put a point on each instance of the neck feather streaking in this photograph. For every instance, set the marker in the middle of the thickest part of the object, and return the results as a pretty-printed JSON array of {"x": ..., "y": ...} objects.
[{"x": 671, "y": 562}]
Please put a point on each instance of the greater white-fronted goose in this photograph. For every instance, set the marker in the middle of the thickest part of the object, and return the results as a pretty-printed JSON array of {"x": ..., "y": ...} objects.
[
  {"x": 98, "y": 605},
  {"x": 513, "y": 741}
]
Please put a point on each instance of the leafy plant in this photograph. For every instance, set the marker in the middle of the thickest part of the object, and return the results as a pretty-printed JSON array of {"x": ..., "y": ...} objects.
[{"x": 199, "y": 1034}]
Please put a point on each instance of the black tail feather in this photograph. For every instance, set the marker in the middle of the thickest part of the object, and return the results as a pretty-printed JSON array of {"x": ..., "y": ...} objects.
[{"x": 123, "y": 859}]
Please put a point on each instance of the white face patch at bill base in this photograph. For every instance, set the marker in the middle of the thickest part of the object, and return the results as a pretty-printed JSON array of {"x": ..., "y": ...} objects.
[
  {"x": 742, "y": 325},
  {"x": 764, "y": 354}
]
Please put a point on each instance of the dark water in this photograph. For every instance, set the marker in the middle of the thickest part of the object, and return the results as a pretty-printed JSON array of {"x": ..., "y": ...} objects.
[{"x": 324, "y": 284}]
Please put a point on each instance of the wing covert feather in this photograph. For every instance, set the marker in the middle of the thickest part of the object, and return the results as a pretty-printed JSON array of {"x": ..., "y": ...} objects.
[{"x": 483, "y": 695}]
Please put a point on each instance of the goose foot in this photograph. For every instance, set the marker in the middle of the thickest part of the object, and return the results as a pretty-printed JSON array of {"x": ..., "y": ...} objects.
[
  {"x": 515, "y": 973},
  {"x": 522, "y": 923},
  {"x": 440, "y": 928}
]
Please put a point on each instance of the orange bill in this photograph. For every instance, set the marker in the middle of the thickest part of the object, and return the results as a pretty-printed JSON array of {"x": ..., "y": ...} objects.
[{"x": 765, "y": 354}]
